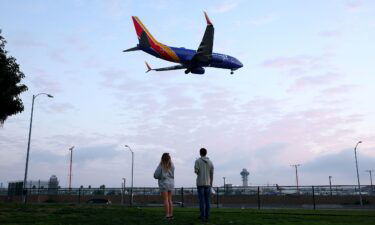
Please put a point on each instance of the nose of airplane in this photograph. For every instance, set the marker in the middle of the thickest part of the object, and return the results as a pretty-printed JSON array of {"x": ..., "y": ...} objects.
[{"x": 238, "y": 64}]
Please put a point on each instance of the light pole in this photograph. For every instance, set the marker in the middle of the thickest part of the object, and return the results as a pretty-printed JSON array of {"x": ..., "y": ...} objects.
[
  {"x": 296, "y": 168},
  {"x": 224, "y": 184},
  {"x": 356, "y": 165},
  {"x": 131, "y": 189},
  {"x": 28, "y": 144},
  {"x": 370, "y": 173},
  {"x": 330, "y": 184},
  {"x": 70, "y": 168}
]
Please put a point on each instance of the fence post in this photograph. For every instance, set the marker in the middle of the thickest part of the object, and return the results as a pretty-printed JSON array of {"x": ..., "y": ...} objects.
[
  {"x": 131, "y": 197},
  {"x": 313, "y": 195},
  {"x": 182, "y": 197},
  {"x": 26, "y": 194},
  {"x": 79, "y": 196},
  {"x": 258, "y": 197}
]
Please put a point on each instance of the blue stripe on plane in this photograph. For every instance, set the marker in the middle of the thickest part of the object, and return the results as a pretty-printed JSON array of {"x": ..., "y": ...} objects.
[{"x": 186, "y": 55}]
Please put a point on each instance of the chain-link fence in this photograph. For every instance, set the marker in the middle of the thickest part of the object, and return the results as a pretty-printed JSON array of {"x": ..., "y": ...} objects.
[{"x": 313, "y": 197}]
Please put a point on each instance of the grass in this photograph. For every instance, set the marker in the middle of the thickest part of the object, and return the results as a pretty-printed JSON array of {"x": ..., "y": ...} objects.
[{"x": 114, "y": 214}]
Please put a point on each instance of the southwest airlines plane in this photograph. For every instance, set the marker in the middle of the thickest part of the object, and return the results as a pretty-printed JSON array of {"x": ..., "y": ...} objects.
[{"x": 192, "y": 61}]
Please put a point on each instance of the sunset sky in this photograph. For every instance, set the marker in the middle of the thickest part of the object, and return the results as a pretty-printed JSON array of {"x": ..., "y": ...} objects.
[{"x": 304, "y": 96}]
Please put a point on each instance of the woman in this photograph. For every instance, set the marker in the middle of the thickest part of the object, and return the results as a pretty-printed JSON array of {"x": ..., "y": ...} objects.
[{"x": 165, "y": 175}]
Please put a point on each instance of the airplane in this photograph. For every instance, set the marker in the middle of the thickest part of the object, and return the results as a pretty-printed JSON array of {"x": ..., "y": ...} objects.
[{"x": 193, "y": 61}]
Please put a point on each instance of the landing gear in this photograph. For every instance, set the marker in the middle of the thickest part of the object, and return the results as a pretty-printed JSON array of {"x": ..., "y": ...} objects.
[
  {"x": 231, "y": 72},
  {"x": 187, "y": 71}
]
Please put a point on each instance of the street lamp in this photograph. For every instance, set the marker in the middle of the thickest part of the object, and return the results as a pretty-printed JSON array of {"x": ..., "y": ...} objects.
[
  {"x": 28, "y": 143},
  {"x": 70, "y": 167},
  {"x": 356, "y": 165},
  {"x": 330, "y": 184},
  {"x": 131, "y": 189},
  {"x": 224, "y": 185},
  {"x": 296, "y": 168},
  {"x": 370, "y": 173}
]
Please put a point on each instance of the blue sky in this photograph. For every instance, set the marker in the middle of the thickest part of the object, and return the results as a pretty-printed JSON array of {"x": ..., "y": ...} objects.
[{"x": 303, "y": 96}]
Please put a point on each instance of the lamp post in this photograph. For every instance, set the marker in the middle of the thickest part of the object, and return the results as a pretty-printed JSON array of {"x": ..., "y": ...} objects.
[
  {"x": 28, "y": 144},
  {"x": 330, "y": 184},
  {"x": 70, "y": 167},
  {"x": 131, "y": 189},
  {"x": 356, "y": 165},
  {"x": 370, "y": 173},
  {"x": 296, "y": 168},
  {"x": 224, "y": 184}
]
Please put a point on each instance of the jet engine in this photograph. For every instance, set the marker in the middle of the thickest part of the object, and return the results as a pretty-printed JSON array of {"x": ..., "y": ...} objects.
[{"x": 197, "y": 70}]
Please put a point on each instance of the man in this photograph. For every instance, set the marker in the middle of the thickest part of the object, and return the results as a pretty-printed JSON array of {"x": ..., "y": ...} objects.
[{"x": 205, "y": 173}]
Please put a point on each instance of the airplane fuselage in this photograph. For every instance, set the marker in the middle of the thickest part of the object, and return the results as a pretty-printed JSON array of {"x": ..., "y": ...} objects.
[{"x": 185, "y": 56}]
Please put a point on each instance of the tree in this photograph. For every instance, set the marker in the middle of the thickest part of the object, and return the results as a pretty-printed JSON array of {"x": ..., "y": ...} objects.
[{"x": 10, "y": 89}]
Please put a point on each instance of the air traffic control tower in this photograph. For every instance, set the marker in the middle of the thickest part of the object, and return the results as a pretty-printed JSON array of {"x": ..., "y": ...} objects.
[{"x": 245, "y": 174}]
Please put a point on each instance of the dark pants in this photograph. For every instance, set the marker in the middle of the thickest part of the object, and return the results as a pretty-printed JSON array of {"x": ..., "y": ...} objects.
[{"x": 204, "y": 201}]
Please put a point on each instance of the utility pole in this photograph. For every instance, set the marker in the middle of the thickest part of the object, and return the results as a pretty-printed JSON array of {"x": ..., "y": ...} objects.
[
  {"x": 70, "y": 168},
  {"x": 131, "y": 190},
  {"x": 330, "y": 184},
  {"x": 356, "y": 165},
  {"x": 296, "y": 168},
  {"x": 370, "y": 173},
  {"x": 224, "y": 183}
]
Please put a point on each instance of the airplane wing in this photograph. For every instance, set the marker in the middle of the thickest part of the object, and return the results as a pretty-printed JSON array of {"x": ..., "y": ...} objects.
[
  {"x": 177, "y": 67},
  {"x": 204, "y": 51}
]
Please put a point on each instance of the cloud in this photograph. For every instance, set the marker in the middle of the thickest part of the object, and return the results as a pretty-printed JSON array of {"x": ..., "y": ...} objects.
[
  {"x": 330, "y": 33},
  {"x": 61, "y": 107},
  {"x": 309, "y": 82},
  {"x": 259, "y": 21},
  {"x": 224, "y": 6},
  {"x": 340, "y": 165},
  {"x": 57, "y": 55},
  {"x": 285, "y": 62},
  {"x": 29, "y": 42},
  {"x": 355, "y": 6},
  {"x": 339, "y": 90},
  {"x": 77, "y": 43},
  {"x": 301, "y": 64},
  {"x": 116, "y": 8},
  {"x": 42, "y": 80}
]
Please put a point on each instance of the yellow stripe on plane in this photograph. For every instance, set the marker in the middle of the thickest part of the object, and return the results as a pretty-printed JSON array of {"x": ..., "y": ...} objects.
[
  {"x": 168, "y": 50},
  {"x": 145, "y": 29}
]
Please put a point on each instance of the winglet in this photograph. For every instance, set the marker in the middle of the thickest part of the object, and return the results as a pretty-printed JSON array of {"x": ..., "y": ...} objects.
[
  {"x": 207, "y": 19},
  {"x": 148, "y": 67}
]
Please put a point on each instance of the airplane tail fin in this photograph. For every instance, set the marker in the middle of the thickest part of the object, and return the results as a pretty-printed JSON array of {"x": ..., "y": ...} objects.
[{"x": 144, "y": 36}]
